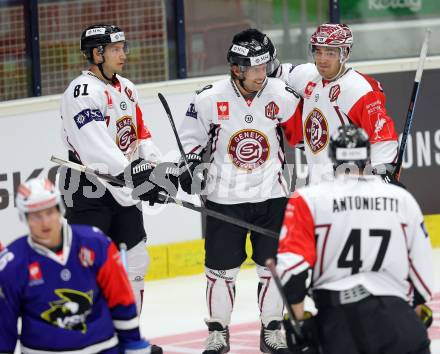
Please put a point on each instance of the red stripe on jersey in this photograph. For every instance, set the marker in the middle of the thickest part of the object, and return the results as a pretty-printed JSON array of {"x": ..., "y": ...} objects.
[
  {"x": 416, "y": 273},
  {"x": 300, "y": 230},
  {"x": 420, "y": 279},
  {"x": 369, "y": 113},
  {"x": 113, "y": 280},
  {"x": 293, "y": 129},
  {"x": 324, "y": 244},
  {"x": 142, "y": 131}
]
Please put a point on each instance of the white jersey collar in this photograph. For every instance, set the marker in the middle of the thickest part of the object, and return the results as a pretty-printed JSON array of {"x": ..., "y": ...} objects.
[{"x": 67, "y": 243}]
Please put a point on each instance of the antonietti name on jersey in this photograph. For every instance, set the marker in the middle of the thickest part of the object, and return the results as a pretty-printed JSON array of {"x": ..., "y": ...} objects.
[{"x": 348, "y": 203}]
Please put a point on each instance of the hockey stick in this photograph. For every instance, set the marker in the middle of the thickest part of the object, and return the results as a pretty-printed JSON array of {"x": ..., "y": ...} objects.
[
  {"x": 170, "y": 199},
  {"x": 270, "y": 263},
  {"x": 176, "y": 135},
  {"x": 412, "y": 104}
]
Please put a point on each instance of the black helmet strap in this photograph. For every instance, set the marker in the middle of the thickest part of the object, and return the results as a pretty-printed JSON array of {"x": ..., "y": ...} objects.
[{"x": 101, "y": 69}]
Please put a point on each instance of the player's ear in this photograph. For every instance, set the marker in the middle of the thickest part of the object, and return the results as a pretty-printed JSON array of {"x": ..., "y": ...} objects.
[
  {"x": 236, "y": 70},
  {"x": 97, "y": 56}
]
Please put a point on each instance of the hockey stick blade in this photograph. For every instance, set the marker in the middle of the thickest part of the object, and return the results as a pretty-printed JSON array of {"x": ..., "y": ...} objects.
[
  {"x": 412, "y": 104},
  {"x": 81, "y": 168},
  {"x": 169, "y": 199}
]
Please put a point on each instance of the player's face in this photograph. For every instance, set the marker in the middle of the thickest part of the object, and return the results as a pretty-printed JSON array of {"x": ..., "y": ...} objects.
[
  {"x": 115, "y": 56},
  {"x": 45, "y": 226},
  {"x": 254, "y": 77},
  {"x": 327, "y": 61}
]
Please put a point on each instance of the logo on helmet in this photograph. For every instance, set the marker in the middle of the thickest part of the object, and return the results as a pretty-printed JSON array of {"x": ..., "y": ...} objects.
[
  {"x": 239, "y": 49},
  {"x": 95, "y": 31}
]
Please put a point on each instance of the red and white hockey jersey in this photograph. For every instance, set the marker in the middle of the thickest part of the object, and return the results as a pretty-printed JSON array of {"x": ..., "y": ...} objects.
[
  {"x": 104, "y": 128},
  {"x": 246, "y": 153},
  {"x": 352, "y": 98},
  {"x": 357, "y": 231}
]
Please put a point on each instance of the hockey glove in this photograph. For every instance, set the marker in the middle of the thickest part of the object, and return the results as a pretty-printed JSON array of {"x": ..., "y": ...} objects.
[
  {"x": 192, "y": 181},
  {"x": 141, "y": 346},
  {"x": 308, "y": 343},
  {"x": 166, "y": 176},
  {"x": 425, "y": 314},
  {"x": 148, "y": 180},
  {"x": 387, "y": 172}
]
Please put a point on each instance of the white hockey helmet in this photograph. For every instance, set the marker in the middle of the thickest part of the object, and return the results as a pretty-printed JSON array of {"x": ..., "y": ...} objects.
[{"x": 35, "y": 195}]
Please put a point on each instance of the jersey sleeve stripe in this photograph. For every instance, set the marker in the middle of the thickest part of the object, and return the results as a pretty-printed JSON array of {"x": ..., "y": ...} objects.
[{"x": 126, "y": 324}]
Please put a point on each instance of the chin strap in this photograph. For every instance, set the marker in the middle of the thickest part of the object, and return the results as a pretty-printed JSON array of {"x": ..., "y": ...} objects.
[{"x": 101, "y": 70}]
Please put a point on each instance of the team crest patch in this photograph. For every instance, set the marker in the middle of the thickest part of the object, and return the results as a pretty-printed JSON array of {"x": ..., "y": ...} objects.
[
  {"x": 316, "y": 131},
  {"x": 125, "y": 133},
  {"x": 334, "y": 93},
  {"x": 223, "y": 110},
  {"x": 271, "y": 110},
  {"x": 309, "y": 89},
  {"x": 248, "y": 149},
  {"x": 86, "y": 257},
  {"x": 71, "y": 310},
  {"x": 129, "y": 94}
]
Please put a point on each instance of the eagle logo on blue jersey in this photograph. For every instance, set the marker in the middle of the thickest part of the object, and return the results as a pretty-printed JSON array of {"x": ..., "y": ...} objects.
[{"x": 71, "y": 311}]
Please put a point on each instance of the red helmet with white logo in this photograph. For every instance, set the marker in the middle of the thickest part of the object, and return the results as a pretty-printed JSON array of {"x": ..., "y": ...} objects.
[
  {"x": 35, "y": 195},
  {"x": 332, "y": 35}
]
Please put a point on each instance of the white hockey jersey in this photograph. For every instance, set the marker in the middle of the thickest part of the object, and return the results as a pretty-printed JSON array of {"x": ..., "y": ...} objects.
[
  {"x": 352, "y": 98},
  {"x": 357, "y": 231},
  {"x": 103, "y": 127},
  {"x": 246, "y": 153}
]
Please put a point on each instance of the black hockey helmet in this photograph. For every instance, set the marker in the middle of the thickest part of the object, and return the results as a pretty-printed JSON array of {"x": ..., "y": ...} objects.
[
  {"x": 349, "y": 144},
  {"x": 252, "y": 47},
  {"x": 98, "y": 36}
]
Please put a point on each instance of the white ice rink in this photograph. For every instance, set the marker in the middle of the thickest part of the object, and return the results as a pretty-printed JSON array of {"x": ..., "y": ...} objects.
[{"x": 174, "y": 310}]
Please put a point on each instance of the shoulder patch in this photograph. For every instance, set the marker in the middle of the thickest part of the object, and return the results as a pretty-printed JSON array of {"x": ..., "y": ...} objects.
[
  {"x": 191, "y": 112},
  {"x": 86, "y": 116}
]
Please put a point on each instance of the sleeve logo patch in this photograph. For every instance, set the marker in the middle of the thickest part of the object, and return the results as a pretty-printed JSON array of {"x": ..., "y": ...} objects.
[
  {"x": 86, "y": 116},
  {"x": 191, "y": 112}
]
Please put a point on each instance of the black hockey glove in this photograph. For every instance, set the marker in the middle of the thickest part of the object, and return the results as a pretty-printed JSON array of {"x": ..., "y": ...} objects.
[
  {"x": 308, "y": 343},
  {"x": 166, "y": 176},
  {"x": 148, "y": 180},
  {"x": 387, "y": 172},
  {"x": 192, "y": 181}
]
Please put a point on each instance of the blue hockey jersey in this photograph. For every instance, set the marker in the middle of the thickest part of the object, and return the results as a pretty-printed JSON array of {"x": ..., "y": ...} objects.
[{"x": 78, "y": 300}]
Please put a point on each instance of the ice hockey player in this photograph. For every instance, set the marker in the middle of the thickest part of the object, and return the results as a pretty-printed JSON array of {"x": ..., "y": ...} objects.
[
  {"x": 242, "y": 116},
  {"x": 103, "y": 128},
  {"x": 370, "y": 254},
  {"x": 67, "y": 284},
  {"x": 334, "y": 95}
]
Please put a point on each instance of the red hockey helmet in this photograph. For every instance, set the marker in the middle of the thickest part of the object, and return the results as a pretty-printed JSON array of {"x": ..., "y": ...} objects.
[{"x": 333, "y": 35}]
